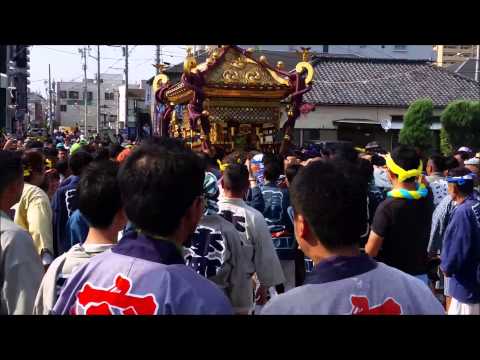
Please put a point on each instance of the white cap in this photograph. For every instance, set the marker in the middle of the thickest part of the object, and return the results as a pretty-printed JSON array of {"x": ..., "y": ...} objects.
[
  {"x": 465, "y": 149},
  {"x": 472, "y": 161}
]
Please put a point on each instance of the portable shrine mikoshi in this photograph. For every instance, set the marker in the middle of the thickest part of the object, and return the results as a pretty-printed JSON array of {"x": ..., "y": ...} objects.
[{"x": 231, "y": 100}]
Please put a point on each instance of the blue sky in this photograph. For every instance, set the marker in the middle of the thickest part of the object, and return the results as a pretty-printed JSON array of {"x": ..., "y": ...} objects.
[{"x": 66, "y": 62}]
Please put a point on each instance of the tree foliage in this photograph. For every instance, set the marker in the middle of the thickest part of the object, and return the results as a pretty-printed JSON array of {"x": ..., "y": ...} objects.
[
  {"x": 416, "y": 125},
  {"x": 445, "y": 147},
  {"x": 461, "y": 124}
]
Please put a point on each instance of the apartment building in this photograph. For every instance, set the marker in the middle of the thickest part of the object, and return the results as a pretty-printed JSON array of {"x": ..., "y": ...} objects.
[
  {"x": 70, "y": 102},
  {"x": 454, "y": 54}
]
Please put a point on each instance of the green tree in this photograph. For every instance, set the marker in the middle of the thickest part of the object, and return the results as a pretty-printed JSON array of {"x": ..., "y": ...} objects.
[
  {"x": 445, "y": 147},
  {"x": 461, "y": 124},
  {"x": 416, "y": 125}
]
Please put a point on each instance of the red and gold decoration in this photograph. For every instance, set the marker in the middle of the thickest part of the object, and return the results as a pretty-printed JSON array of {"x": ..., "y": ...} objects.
[{"x": 231, "y": 99}]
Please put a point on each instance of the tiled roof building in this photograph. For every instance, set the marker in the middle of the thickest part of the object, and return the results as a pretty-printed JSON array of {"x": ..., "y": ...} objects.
[{"x": 386, "y": 82}]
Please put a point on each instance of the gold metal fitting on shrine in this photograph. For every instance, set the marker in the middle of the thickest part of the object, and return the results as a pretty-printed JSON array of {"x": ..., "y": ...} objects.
[
  {"x": 263, "y": 59},
  {"x": 189, "y": 63},
  {"x": 305, "y": 65}
]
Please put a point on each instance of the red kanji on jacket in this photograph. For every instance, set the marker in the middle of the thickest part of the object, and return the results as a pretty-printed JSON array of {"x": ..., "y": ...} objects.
[
  {"x": 360, "y": 306},
  {"x": 101, "y": 301}
]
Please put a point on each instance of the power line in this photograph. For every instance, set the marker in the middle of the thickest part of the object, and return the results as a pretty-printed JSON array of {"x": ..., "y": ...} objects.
[
  {"x": 148, "y": 60},
  {"x": 104, "y": 58},
  {"x": 57, "y": 50},
  {"x": 111, "y": 66}
]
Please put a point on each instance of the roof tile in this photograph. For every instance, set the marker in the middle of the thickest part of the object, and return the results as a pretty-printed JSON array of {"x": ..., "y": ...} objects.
[{"x": 386, "y": 82}]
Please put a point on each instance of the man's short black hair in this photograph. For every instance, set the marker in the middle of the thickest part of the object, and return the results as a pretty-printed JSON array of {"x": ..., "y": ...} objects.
[
  {"x": 166, "y": 142},
  {"x": 345, "y": 151},
  {"x": 62, "y": 167},
  {"x": 101, "y": 154},
  {"x": 34, "y": 161},
  {"x": 99, "y": 196},
  {"x": 34, "y": 144},
  {"x": 291, "y": 171},
  {"x": 11, "y": 168},
  {"x": 235, "y": 178},
  {"x": 378, "y": 160},
  {"x": 208, "y": 161},
  {"x": 407, "y": 158},
  {"x": 438, "y": 162},
  {"x": 50, "y": 152},
  {"x": 463, "y": 154},
  {"x": 159, "y": 182},
  {"x": 467, "y": 187},
  {"x": 331, "y": 196},
  {"x": 366, "y": 169},
  {"x": 272, "y": 170},
  {"x": 78, "y": 161},
  {"x": 114, "y": 150},
  {"x": 451, "y": 163}
]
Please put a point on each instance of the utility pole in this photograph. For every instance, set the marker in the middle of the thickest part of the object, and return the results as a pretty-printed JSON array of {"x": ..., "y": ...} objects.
[
  {"x": 117, "y": 127},
  {"x": 84, "y": 58},
  {"x": 50, "y": 117},
  {"x": 477, "y": 63},
  {"x": 98, "y": 89},
  {"x": 126, "y": 85},
  {"x": 157, "y": 57}
]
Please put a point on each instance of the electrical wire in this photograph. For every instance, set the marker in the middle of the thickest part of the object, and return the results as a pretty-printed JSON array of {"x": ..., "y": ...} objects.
[{"x": 111, "y": 66}]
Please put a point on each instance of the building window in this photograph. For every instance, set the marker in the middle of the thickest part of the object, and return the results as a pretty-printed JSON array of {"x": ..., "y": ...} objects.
[
  {"x": 109, "y": 96},
  {"x": 399, "y": 47},
  {"x": 73, "y": 95},
  {"x": 63, "y": 108},
  {"x": 363, "y": 46},
  {"x": 89, "y": 96},
  {"x": 325, "y": 48},
  {"x": 63, "y": 94}
]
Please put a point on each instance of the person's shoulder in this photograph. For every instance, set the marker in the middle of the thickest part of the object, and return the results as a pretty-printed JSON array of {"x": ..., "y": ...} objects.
[
  {"x": 394, "y": 274},
  {"x": 34, "y": 193},
  {"x": 14, "y": 235},
  {"x": 288, "y": 302},
  {"x": 420, "y": 298},
  {"x": 445, "y": 202},
  {"x": 76, "y": 217},
  {"x": 253, "y": 212},
  {"x": 68, "y": 183},
  {"x": 53, "y": 268},
  {"x": 387, "y": 203},
  {"x": 182, "y": 276},
  {"x": 466, "y": 209},
  {"x": 18, "y": 241},
  {"x": 181, "y": 272},
  {"x": 216, "y": 221},
  {"x": 77, "y": 250}
]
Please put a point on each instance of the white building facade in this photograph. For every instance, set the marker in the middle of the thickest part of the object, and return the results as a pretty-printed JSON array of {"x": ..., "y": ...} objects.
[{"x": 70, "y": 104}]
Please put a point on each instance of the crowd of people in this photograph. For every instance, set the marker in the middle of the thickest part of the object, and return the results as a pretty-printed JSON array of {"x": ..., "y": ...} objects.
[{"x": 110, "y": 227}]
